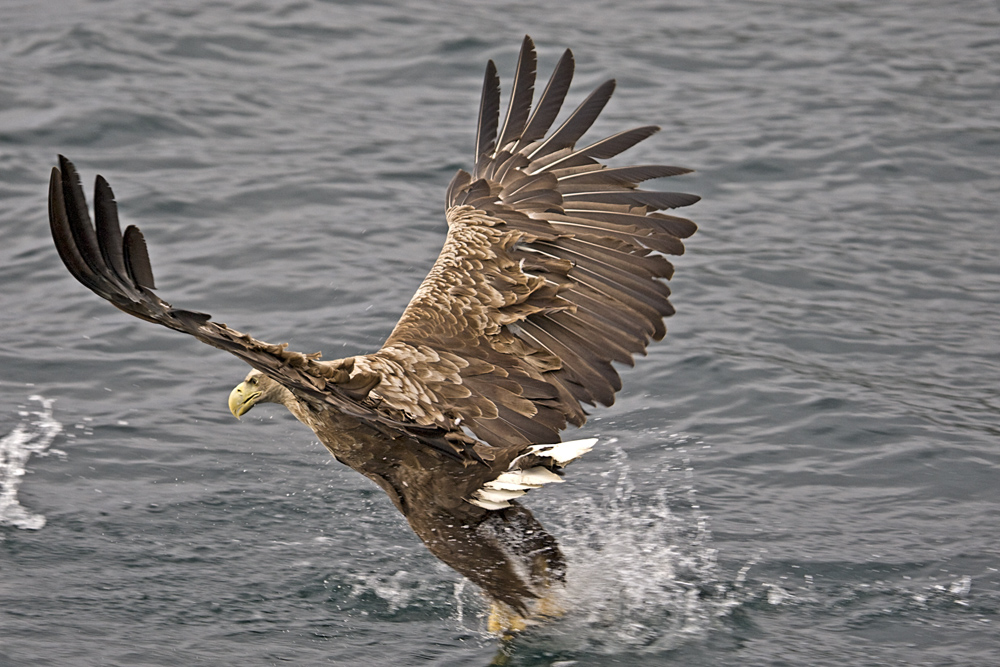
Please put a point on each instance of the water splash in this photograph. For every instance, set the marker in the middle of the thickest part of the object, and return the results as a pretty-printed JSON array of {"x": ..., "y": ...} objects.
[
  {"x": 642, "y": 570},
  {"x": 390, "y": 594},
  {"x": 32, "y": 435}
]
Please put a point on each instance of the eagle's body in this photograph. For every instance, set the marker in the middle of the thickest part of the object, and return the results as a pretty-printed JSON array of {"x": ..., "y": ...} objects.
[
  {"x": 431, "y": 490},
  {"x": 550, "y": 272}
]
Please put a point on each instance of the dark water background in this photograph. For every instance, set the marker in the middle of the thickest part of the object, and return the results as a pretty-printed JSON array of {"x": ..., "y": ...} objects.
[{"x": 805, "y": 472}]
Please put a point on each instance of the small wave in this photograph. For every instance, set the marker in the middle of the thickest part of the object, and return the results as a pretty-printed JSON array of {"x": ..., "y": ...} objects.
[{"x": 33, "y": 435}]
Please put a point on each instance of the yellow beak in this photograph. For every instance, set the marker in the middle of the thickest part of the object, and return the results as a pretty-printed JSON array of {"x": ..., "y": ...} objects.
[{"x": 241, "y": 399}]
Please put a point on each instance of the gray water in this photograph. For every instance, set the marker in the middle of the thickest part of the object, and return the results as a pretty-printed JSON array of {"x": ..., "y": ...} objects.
[{"x": 805, "y": 472}]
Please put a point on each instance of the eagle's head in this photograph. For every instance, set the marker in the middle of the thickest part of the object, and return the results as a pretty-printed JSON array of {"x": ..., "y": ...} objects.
[{"x": 256, "y": 388}]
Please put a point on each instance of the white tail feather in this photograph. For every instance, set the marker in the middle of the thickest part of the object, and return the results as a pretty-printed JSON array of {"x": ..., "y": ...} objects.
[
  {"x": 531, "y": 478},
  {"x": 499, "y": 495},
  {"x": 560, "y": 452},
  {"x": 564, "y": 452},
  {"x": 500, "y": 483},
  {"x": 514, "y": 483},
  {"x": 489, "y": 504}
]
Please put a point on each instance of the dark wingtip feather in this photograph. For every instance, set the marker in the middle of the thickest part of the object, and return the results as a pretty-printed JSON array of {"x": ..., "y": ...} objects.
[
  {"x": 522, "y": 91},
  {"x": 578, "y": 122},
  {"x": 109, "y": 235},
  {"x": 682, "y": 228},
  {"x": 137, "y": 258},
  {"x": 62, "y": 232},
  {"x": 78, "y": 217},
  {"x": 551, "y": 100},
  {"x": 489, "y": 112}
]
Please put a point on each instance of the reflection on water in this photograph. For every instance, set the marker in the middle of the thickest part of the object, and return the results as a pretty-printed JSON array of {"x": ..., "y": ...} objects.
[{"x": 32, "y": 435}]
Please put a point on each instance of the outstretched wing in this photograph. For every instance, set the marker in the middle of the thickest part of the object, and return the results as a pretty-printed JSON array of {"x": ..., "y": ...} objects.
[
  {"x": 116, "y": 266},
  {"x": 552, "y": 269}
]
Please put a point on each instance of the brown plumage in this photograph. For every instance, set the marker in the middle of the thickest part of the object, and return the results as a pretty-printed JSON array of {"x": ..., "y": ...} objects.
[{"x": 551, "y": 270}]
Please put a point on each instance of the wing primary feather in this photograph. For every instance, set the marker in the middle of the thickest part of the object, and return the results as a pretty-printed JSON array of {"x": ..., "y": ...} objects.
[
  {"x": 653, "y": 200},
  {"x": 634, "y": 324},
  {"x": 62, "y": 234},
  {"x": 578, "y": 122},
  {"x": 604, "y": 149},
  {"x": 675, "y": 226},
  {"x": 625, "y": 176},
  {"x": 137, "y": 258},
  {"x": 550, "y": 102},
  {"x": 627, "y": 336},
  {"x": 489, "y": 114},
  {"x": 602, "y": 230},
  {"x": 626, "y": 257},
  {"x": 521, "y": 93},
  {"x": 588, "y": 260},
  {"x": 79, "y": 217},
  {"x": 109, "y": 235}
]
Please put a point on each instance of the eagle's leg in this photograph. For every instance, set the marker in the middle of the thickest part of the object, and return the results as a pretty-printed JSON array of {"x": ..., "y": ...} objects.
[{"x": 539, "y": 554}]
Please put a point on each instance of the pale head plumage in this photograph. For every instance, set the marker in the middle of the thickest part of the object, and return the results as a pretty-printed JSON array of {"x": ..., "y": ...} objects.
[{"x": 257, "y": 388}]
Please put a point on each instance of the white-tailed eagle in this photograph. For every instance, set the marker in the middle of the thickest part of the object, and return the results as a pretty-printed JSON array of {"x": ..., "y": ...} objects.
[{"x": 552, "y": 269}]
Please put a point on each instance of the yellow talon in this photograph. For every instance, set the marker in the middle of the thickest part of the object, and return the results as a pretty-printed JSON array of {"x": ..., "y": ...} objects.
[
  {"x": 549, "y": 607},
  {"x": 506, "y": 622}
]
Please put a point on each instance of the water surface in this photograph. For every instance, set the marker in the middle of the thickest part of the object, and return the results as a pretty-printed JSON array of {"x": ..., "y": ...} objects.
[{"x": 804, "y": 472}]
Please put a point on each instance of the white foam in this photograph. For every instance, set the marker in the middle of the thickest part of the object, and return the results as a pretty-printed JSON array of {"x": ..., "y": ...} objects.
[{"x": 33, "y": 435}]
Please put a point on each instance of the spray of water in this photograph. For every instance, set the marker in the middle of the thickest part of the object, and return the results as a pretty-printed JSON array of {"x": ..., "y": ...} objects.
[
  {"x": 642, "y": 569},
  {"x": 32, "y": 435}
]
